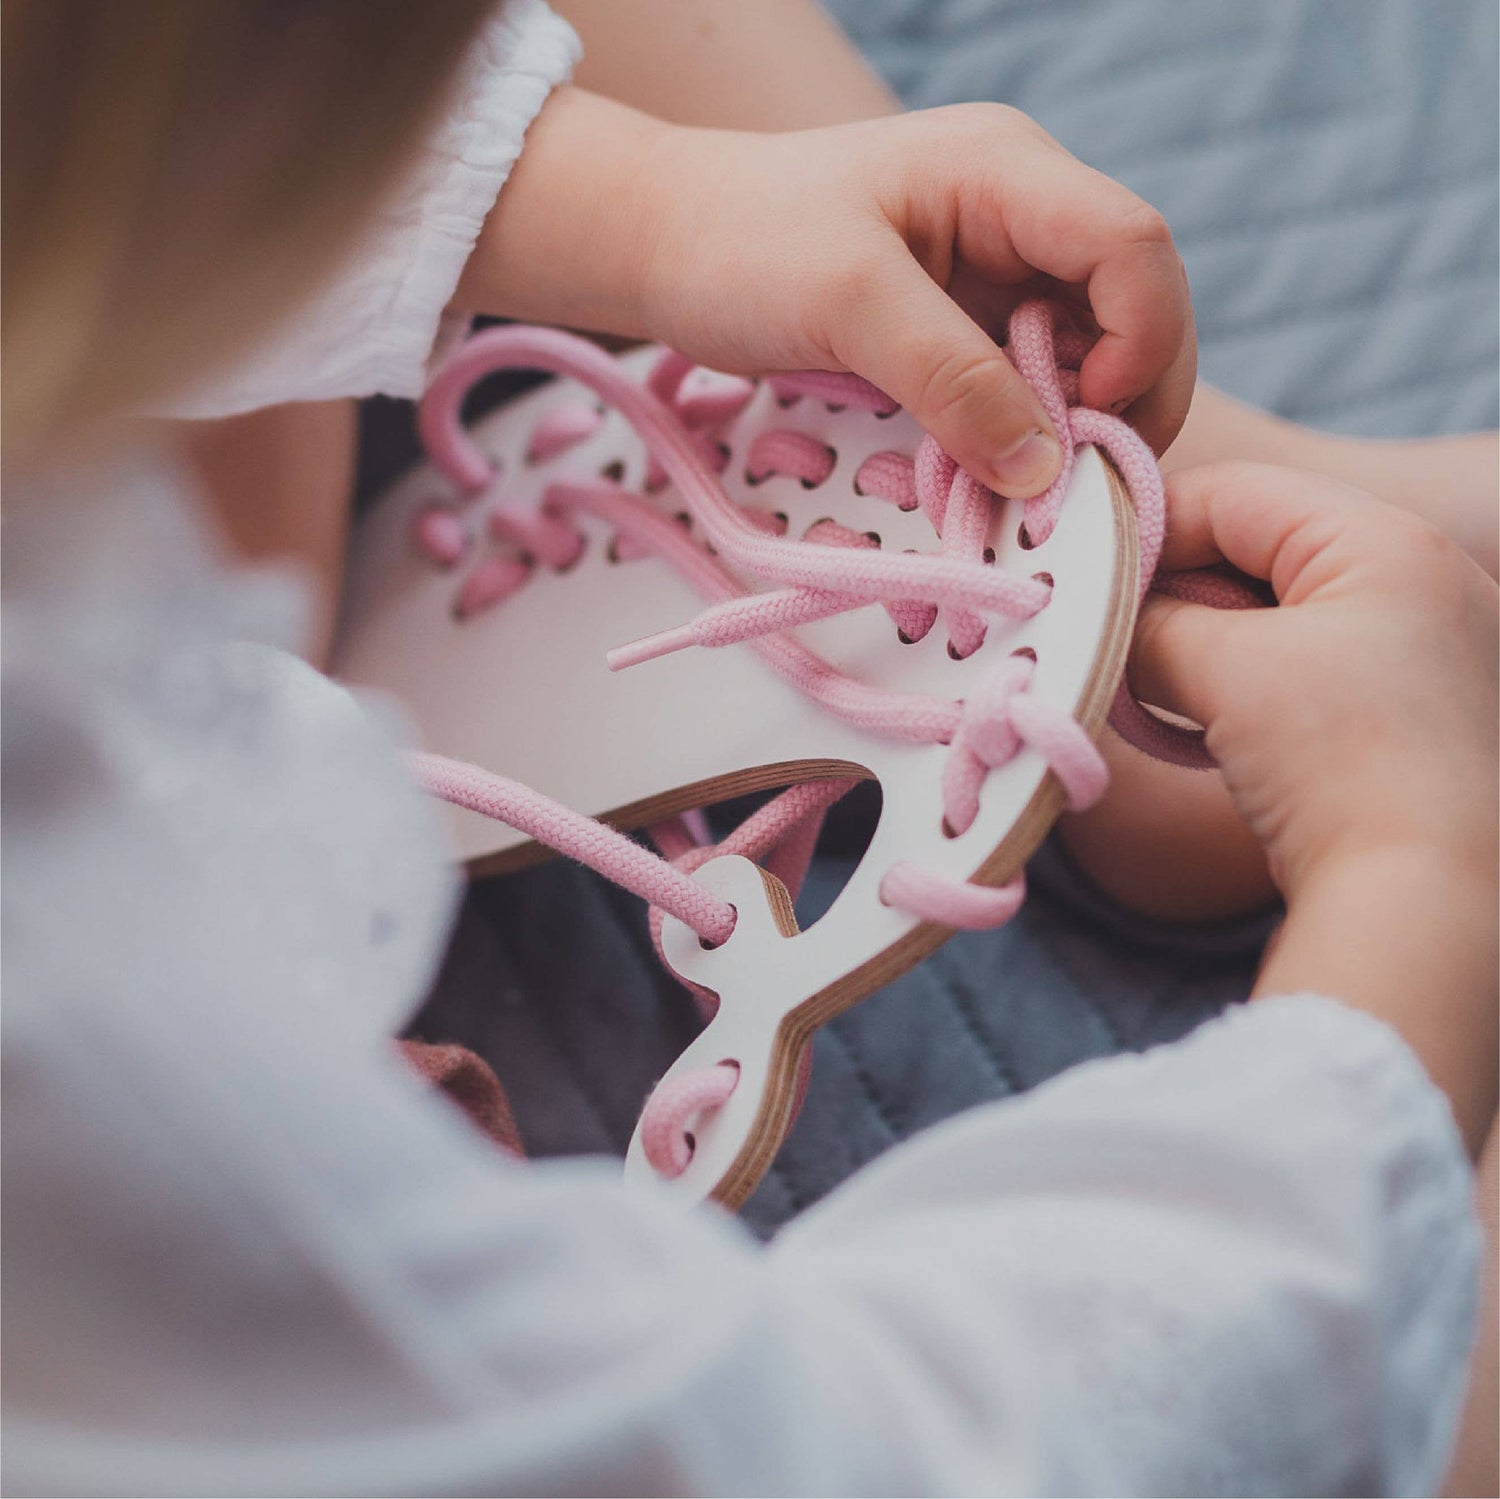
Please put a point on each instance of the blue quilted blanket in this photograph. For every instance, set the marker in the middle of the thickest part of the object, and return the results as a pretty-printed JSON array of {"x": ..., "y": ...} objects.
[{"x": 1329, "y": 168}]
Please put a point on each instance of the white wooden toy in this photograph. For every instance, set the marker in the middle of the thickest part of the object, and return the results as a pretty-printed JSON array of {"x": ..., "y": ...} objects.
[{"x": 524, "y": 688}]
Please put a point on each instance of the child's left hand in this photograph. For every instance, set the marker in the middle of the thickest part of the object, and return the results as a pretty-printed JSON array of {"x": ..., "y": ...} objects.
[{"x": 893, "y": 247}]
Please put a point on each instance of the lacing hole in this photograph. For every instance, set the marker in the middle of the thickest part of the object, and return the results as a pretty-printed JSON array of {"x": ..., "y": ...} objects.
[
  {"x": 885, "y": 416},
  {"x": 783, "y": 519},
  {"x": 612, "y": 551},
  {"x": 576, "y": 558},
  {"x": 873, "y": 536},
  {"x": 833, "y": 458},
  {"x": 862, "y": 493},
  {"x": 754, "y": 481},
  {"x": 708, "y": 946},
  {"x": 684, "y": 520},
  {"x": 1026, "y": 651},
  {"x": 953, "y": 654},
  {"x": 787, "y": 402},
  {"x": 1023, "y": 539},
  {"x": 613, "y": 471},
  {"x": 1046, "y": 578},
  {"x": 949, "y": 831},
  {"x": 688, "y": 1137},
  {"x": 904, "y": 638},
  {"x": 989, "y": 556},
  {"x": 834, "y": 407}
]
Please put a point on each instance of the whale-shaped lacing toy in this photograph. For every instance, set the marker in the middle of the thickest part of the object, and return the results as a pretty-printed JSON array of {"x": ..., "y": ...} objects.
[{"x": 828, "y": 571}]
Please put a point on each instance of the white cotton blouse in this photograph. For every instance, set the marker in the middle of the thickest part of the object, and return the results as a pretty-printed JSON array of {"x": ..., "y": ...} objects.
[{"x": 248, "y": 1252}]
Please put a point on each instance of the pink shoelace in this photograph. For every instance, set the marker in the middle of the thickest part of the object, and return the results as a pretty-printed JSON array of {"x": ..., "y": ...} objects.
[{"x": 830, "y": 570}]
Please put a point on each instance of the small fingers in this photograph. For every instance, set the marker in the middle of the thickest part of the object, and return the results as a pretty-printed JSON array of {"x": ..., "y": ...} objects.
[
  {"x": 1176, "y": 658},
  {"x": 1147, "y": 352},
  {"x": 1083, "y": 229},
  {"x": 1159, "y": 415},
  {"x": 903, "y": 332},
  {"x": 1295, "y": 530}
]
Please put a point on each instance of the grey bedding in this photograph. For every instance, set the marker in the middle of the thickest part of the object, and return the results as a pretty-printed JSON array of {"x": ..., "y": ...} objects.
[{"x": 1329, "y": 168}]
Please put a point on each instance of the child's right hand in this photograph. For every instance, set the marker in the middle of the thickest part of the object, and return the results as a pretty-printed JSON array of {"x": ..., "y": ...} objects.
[
  {"x": 1356, "y": 729},
  {"x": 892, "y": 247},
  {"x": 1361, "y": 714}
]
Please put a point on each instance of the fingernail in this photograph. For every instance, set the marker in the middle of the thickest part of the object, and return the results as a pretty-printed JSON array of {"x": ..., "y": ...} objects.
[{"x": 1030, "y": 466}]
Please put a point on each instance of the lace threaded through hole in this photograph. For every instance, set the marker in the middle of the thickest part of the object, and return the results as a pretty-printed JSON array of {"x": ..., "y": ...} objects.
[
  {"x": 708, "y": 946},
  {"x": 833, "y": 458}
]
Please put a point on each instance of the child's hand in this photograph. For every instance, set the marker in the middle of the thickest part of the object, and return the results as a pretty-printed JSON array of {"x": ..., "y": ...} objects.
[
  {"x": 1359, "y": 716},
  {"x": 893, "y": 247},
  {"x": 1356, "y": 729}
]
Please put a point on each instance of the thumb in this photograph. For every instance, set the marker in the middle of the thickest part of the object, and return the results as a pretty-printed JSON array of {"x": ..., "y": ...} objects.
[
  {"x": 905, "y": 334},
  {"x": 1177, "y": 659}
]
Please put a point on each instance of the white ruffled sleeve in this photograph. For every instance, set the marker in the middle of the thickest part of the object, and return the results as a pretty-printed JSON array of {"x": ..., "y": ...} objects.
[
  {"x": 375, "y": 328},
  {"x": 1246, "y": 1263}
]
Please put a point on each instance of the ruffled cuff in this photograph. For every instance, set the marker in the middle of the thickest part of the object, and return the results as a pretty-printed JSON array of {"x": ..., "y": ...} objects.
[
  {"x": 1428, "y": 1263},
  {"x": 377, "y": 327}
]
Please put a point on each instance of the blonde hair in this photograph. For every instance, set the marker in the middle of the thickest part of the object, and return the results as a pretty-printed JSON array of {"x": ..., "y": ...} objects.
[{"x": 175, "y": 175}]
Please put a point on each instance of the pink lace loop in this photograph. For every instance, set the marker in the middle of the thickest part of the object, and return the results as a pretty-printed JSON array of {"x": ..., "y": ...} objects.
[
  {"x": 441, "y": 534},
  {"x": 492, "y": 580},
  {"x": 675, "y": 1107},
  {"x": 888, "y": 476},
  {"x": 713, "y": 399},
  {"x": 1070, "y": 754},
  {"x": 795, "y": 454},
  {"x": 999, "y": 717},
  {"x": 985, "y": 739},
  {"x": 550, "y": 541},
  {"x": 965, "y": 906},
  {"x": 562, "y": 428}
]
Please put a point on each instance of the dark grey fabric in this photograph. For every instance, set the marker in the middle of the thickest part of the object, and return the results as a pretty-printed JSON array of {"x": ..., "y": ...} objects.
[{"x": 1329, "y": 167}]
